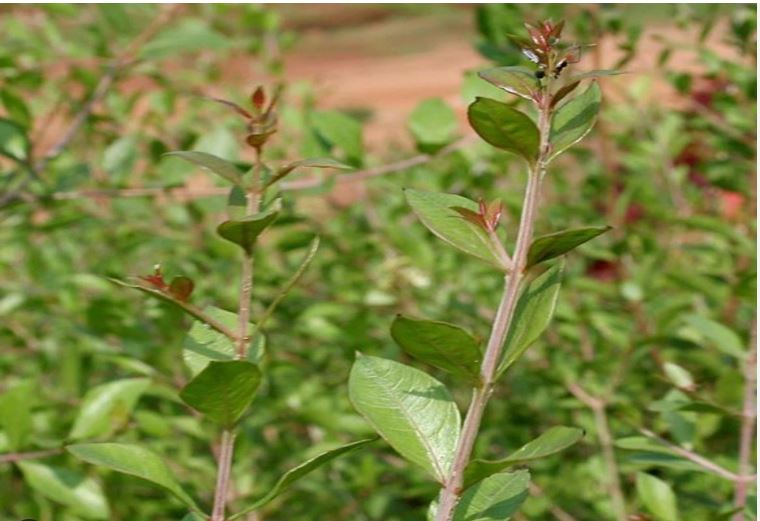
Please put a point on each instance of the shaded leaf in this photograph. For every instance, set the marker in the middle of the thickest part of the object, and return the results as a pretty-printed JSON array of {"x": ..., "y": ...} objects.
[
  {"x": 82, "y": 494},
  {"x": 135, "y": 461},
  {"x": 16, "y": 414},
  {"x": 519, "y": 81},
  {"x": 307, "y": 163},
  {"x": 300, "y": 471},
  {"x": 573, "y": 120},
  {"x": 720, "y": 336},
  {"x": 212, "y": 163},
  {"x": 657, "y": 497},
  {"x": 440, "y": 344},
  {"x": 553, "y": 245},
  {"x": 532, "y": 315},
  {"x": 106, "y": 407},
  {"x": 495, "y": 498},
  {"x": 438, "y": 212},
  {"x": 245, "y": 231},
  {"x": 223, "y": 390},
  {"x": 433, "y": 123},
  {"x": 504, "y": 127},
  {"x": 14, "y": 142},
  {"x": 204, "y": 344},
  {"x": 411, "y": 410},
  {"x": 550, "y": 442}
]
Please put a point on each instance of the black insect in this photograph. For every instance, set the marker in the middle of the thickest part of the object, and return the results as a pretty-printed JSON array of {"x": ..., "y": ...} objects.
[
  {"x": 540, "y": 74},
  {"x": 560, "y": 66}
]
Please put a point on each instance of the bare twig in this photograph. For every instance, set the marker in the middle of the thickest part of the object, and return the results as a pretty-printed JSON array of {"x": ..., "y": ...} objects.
[
  {"x": 749, "y": 417},
  {"x": 696, "y": 458},
  {"x": 300, "y": 184},
  {"x": 20, "y": 456}
]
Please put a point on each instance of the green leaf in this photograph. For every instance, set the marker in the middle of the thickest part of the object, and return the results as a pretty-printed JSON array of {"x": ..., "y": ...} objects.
[
  {"x": 433, "y": 123},
  {"x": 519, "y": 81},
  {"x": 550, "y": 442},
  {"x": 440, "y": 344},
  {"x": 504, "y": 127},
  {"x": 341, "y": 131},
  {"x": 245, "y": 231},
  {"x": 596, "y": 73},
  {"x": 657, "y": 497},
  {"x": 106, "y": 408},
  {"x": 185, "y": 35},
  {"x": 323, "y": 162},
  {"x": 411, "y": 410},
  {"x": 119, "y": 157},
  {"x": 555, "y": 244},
  {"x": 573, "y": 120},
  {"x": 495, "y": 498},
  {"x": 135, "y": 461},
  {"x": 16, "y": 414},
  {"x": 14, "y": 143},
  {"x": 82, "y": 494},
  {"x": 436, "y": 211},
  {"x": 715, "y": 333},
  {"x": 210, "y": 162},
  {"x": 300, "y": 471},
  {"x": 204, "y": 344},
  {"x": 532, "y": 315},
  {"x": 16, "y": 107},
  {"x": 223, "y": 390}
]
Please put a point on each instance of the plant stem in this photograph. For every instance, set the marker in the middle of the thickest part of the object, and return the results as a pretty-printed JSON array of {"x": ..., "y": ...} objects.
[
  {"x": 608, "y": 452},
  {"x": 227, "y": 445},
  {"x": 452, "y": 489},
  {"x": 749, "y": 415},
  {"x": 20, "y": 456},
  {"x": 223, "y": 475}
]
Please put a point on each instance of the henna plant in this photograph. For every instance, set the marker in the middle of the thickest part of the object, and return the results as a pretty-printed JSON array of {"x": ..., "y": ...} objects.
[
  {"x": 223, "y": 351},
  {"x": 414, "y": 412}
]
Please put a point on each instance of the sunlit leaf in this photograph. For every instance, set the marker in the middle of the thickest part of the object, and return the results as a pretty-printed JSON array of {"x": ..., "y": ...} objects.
[
  {"x": 519, "y": 81},
  {"x": 657, "y": 497},
  {"x": 411, "y": 410},
  {"x": 495, "y": 498},
  {"x": 106, "y": 407},
  {"x": 433, "y": 123},
  {"x": 573, "y": 120}
]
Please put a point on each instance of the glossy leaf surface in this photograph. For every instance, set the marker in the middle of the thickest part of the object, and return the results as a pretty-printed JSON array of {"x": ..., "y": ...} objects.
[
  {"x": 411, "y": 410},
  {"x": 519, "y": 81},
  {"x": 504, "y": 127}
]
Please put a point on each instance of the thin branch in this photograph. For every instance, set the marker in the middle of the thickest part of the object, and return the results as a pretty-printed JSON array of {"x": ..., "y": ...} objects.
[
  {"x": 299, "y": 184},
  {"x": 20, "y": 456},
  {"x": 696, "y": 458},
  {"x": 749, "y": 417}
]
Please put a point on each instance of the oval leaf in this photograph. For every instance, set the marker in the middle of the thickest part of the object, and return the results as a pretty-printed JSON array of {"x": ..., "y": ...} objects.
[
  {"x": 245, "y": 231},
  {"x": 495, "y": 498},
  {"x": 439, "y": 344},
  {"x": 574, "y": 119},
  {"x": 657, "y": 497},
  {"x": 519, "y": 81},
  {"x": 555, "y": 244},
  {"x": 204, "y": 344},
  {"x": 433, "y": 123},
  {"x": 413, "y": 411},
  {"x": 504, "y": 127},
  {"x": 223, "y": 390},
  {"x": 436, "y": 211},
  {"x": 552, "y": 441},
  {"x": 217, "y": 165},
  {"x": 300, "y": 471},
  {"x": 532, "y": 315},
  {"x": 106, "y": 407},
  {"x": 132, "y": 460},
  {"x": 82, "y": 494}
]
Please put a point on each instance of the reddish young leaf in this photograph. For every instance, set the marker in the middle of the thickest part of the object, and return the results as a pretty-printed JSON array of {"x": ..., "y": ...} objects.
[{"x": 181, "y": 288}]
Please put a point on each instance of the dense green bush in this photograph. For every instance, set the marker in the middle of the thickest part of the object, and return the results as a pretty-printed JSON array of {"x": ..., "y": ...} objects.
[{"x": 651, "y": 351}]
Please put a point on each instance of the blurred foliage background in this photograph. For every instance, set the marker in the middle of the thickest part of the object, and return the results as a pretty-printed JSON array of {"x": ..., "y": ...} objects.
[{"x": 654, "y": 335}]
